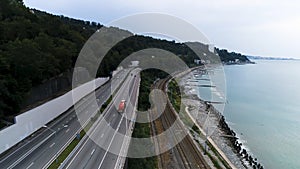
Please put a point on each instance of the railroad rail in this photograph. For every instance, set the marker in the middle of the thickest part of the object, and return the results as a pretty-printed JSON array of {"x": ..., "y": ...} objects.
[{"x": 185, "y": 152}]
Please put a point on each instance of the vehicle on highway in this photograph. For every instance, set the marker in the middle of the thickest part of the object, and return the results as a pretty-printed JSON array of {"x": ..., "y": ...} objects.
[{"x": 121, "y": 106}]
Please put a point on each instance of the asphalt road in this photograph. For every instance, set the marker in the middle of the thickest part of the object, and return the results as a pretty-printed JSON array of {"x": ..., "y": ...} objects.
[
  {"x": 41, "y": 149},
  {"x": 103, "y": 146}
]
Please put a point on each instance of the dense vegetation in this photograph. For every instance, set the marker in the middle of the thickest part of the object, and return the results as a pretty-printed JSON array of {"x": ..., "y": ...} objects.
[
  {"x": 142, "y": 130},
  {"x": 174, "y": 95},
  {"x": 36, "y": 46},
  {"x": 148, "y": 77},
  {"x": 231, "y": 56}
]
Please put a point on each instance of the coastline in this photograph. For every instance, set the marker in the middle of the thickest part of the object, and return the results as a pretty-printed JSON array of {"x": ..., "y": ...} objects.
[{"x": 225, "y": 138}]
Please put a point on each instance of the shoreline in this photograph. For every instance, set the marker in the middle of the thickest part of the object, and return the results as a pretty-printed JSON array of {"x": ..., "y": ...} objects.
[{"x": 225, "y": 138}]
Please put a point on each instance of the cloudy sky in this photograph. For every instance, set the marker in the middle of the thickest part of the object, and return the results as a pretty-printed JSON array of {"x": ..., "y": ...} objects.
[{"x": 253, "y": 27}]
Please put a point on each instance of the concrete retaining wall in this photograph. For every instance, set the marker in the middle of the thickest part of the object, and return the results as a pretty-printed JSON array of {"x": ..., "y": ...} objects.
[{"x": 32, "y": 120}]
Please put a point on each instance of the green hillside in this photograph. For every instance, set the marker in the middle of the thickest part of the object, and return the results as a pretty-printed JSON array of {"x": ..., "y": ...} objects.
[{"x": 36, "y": 46}]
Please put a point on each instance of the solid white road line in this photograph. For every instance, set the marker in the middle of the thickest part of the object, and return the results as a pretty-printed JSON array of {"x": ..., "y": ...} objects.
[
  {"x": 65, "y": 145},
  {"x": 92, "y": 133},
  {"x": 55, "y": 123},
  {"x": 85, "y": 142},
  {"x": 111, "y": 142},
  {"x": 26, "y": 154},
  {"x": 130, "y": 130},
  {"x": 116, "y": 131},
  {"x": 30, "y": 165},
  {"x": 77, "y": 153}
]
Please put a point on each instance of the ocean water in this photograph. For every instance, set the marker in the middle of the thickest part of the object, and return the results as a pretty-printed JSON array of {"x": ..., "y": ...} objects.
[{"x": 263, "y": 108}]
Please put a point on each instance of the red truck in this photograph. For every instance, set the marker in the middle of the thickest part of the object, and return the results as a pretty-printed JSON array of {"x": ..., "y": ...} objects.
[{"x": 121, "y": 106}]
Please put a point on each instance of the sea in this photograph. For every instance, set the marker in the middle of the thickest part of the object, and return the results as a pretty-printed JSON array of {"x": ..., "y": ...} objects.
[{"x": 262, "y": 105}]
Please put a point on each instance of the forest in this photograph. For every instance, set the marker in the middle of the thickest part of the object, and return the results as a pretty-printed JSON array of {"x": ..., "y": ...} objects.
[{"x": 36, "y": 46}]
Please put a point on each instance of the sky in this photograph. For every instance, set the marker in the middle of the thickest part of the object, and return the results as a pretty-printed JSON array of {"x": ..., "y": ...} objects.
[{"x": 269, "y": 28}]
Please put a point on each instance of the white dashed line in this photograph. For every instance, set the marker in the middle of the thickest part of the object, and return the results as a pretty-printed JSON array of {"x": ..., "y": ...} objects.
[
  {"x": 52, "y": 145},
  {"x": 93, "y": 152}
]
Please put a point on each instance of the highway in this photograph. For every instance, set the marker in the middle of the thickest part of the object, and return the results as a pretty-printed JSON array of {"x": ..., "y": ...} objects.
[
  {"x": 106, "y": 156},
  {"x": 39, "y": 150}
]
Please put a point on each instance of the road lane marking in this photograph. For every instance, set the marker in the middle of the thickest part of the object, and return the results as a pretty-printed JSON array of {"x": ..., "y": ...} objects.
[
  {"x": 52, "y": 145},
  {"x": 85, "y": 142},
  {"x": 31, "y": 150},
  {"x": 65, "y": 145},
  {"x": 102, "y": 135},
  {"x": 37, "y": 136},
  {"x": 93, "y": 152},
  {"x": 133, "y": 111},
  {"x": 30, "y": 165},
  {"x": 71, "y": 138},
  {"x": 117, "y": 129},
  {"x": 67, "y": 130}
]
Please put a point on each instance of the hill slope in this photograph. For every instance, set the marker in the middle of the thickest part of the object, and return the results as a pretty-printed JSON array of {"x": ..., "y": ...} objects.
[{"x": 36, "y": 46}]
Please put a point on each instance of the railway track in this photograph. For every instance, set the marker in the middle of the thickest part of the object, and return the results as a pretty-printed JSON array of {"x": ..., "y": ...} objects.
[{"x": 185, "y": 154}]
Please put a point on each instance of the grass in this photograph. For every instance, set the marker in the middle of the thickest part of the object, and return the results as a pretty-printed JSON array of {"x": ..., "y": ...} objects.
[
  {"x": 142, "y": 130},
  {"x": 213, "y": 159},
  {"x": 174, "y": 95},
  {"x": 218, "y": 155},
  {"x": 103, "y": 107},
  {"x": 63, "y": 155},
  {"x": 66, "y": 152}
]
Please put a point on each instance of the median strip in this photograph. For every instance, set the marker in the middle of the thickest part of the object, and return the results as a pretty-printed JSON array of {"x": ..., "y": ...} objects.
[{"x": 64, "y": 154}]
